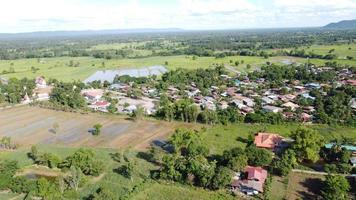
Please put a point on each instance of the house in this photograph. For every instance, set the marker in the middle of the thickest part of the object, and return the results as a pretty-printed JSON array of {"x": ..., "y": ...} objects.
[
  {"x": 238, "y": 103},
  {"x": 273, "y": 109},
  {"x": 130, "y": 109},
  {"x": 267, "y": 100},
  {"x": 351, "y": 82},
  {"x": 42, "y": 94},
  {"x": 247, "y": 109},
  {"x": 313, "y": 86},
  {"x": 248, "y": 102},
  {"x": 119, "y": 86},
  {"x": 268, "y": 140},
  {"x": 299, "y": 88},
  {"x": 353, "y": 103},
  {"x": 350, "y": 148},
  {"x": 308, "y": 96},
  {"x": 255, "y": 180},
  {"x": 223, "y": 105},
  {"x": 40, "y": 82},
  {"x": 305, "y": 117},
  {"x": 353, "y": 161},
  {"x": 93, "y": 94},
  {"x": 290, "y": 105},
  {"x": 100, "y": 106}
]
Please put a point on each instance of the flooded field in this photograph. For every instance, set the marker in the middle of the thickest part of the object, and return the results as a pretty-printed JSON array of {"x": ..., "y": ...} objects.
[
  {"x": 31, "y": 125},
  {"x": 109, "y": 75}
]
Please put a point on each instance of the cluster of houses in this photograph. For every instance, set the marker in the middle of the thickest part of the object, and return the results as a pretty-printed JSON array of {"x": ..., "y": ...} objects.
[
  {"x": 126, "y": 103},
  {"x": 95, "y": 99},
  {"x": 41, "y": 92},
  {"x": 245, "y": 94}
]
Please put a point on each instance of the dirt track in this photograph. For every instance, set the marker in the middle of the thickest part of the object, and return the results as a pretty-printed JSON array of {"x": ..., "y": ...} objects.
[{"x": 31, "y": 125}]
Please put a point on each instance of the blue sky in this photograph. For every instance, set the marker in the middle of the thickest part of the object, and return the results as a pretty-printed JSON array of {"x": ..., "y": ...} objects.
[{"x": 49, "y": 15}]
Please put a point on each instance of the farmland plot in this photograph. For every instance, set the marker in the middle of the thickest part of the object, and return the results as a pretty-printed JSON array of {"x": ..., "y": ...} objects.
[{"x": 31, "y": 125}]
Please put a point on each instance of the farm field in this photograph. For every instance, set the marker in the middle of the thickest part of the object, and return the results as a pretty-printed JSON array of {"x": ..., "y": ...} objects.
[
  {"x": 82, "y": 67},
  {"x": 31, "y": 125}
]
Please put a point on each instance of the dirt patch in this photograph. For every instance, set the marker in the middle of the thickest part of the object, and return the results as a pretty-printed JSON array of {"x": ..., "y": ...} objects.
[
  {"x": 304, "y": 186},
  {"x": 32, "y": 125}
]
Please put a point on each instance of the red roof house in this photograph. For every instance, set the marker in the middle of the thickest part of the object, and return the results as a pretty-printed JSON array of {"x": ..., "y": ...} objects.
[
  {"x": 254, "y": 181},
  {"x": 267, "y": 140}
]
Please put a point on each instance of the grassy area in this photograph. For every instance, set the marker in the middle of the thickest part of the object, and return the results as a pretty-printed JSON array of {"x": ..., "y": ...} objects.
[
  {"x": 220, "y": 138},
  {"x": 179, "y": 192},
  {"x": 60, "y": 68},
  {"x": 279, "y": 188},
  {"x": 140, "y": 187},
  {"x": 341, "y": 50}
]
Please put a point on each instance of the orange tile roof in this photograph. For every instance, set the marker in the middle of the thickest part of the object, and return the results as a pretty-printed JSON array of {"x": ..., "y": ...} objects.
[{"x": 267, "y": 140}]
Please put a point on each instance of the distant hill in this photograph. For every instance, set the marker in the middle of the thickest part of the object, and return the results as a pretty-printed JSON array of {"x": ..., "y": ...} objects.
[
  {"x": 346, "y": 24},
  {"x": 83, "y": 33}
]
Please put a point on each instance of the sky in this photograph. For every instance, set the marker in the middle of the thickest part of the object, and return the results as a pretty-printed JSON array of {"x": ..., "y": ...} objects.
[{"x": 50, "y": 15}]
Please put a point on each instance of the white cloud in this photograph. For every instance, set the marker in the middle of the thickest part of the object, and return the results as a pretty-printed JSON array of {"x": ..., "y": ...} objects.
[{"x": 35, "y": 15}]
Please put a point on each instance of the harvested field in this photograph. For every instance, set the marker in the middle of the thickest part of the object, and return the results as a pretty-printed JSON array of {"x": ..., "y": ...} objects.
[{"x": 31, "y": 125}]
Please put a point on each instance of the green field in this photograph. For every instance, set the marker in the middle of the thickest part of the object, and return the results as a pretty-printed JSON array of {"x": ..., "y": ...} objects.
[
  {"x": 60, "y": 68},
  {"x": 341, "y": 50}
]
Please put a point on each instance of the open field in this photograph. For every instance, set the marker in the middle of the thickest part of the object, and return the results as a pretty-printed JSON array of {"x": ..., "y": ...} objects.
[
  {"x": 60, "y": 68},
  {"x": 341, "y": 50},
  {"x": 220, "y": 138},
  {"x": 32, "y": 125}
]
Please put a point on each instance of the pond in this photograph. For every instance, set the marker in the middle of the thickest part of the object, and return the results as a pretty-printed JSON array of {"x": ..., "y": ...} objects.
[{"x": 109, "y": 75}]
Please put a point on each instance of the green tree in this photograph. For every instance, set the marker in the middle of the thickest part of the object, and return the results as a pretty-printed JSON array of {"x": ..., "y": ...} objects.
[
  {"x": 97, "y": 129},
  {"x": 85, "y": 160},
  {"x": 258, "y": 157},
  {"x": 286, "y": 163},
  {"x": 221, "y": 178},
  {"x": 335, "y": 188},
  {"x": 307, "y": 144}
]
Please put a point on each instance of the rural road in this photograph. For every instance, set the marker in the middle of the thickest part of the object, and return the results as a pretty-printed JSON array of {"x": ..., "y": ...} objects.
[{"x": 317, "y": 173}]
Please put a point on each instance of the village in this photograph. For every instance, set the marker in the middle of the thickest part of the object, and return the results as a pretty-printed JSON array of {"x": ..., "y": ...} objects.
[{"x": 244, "y": 95}]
